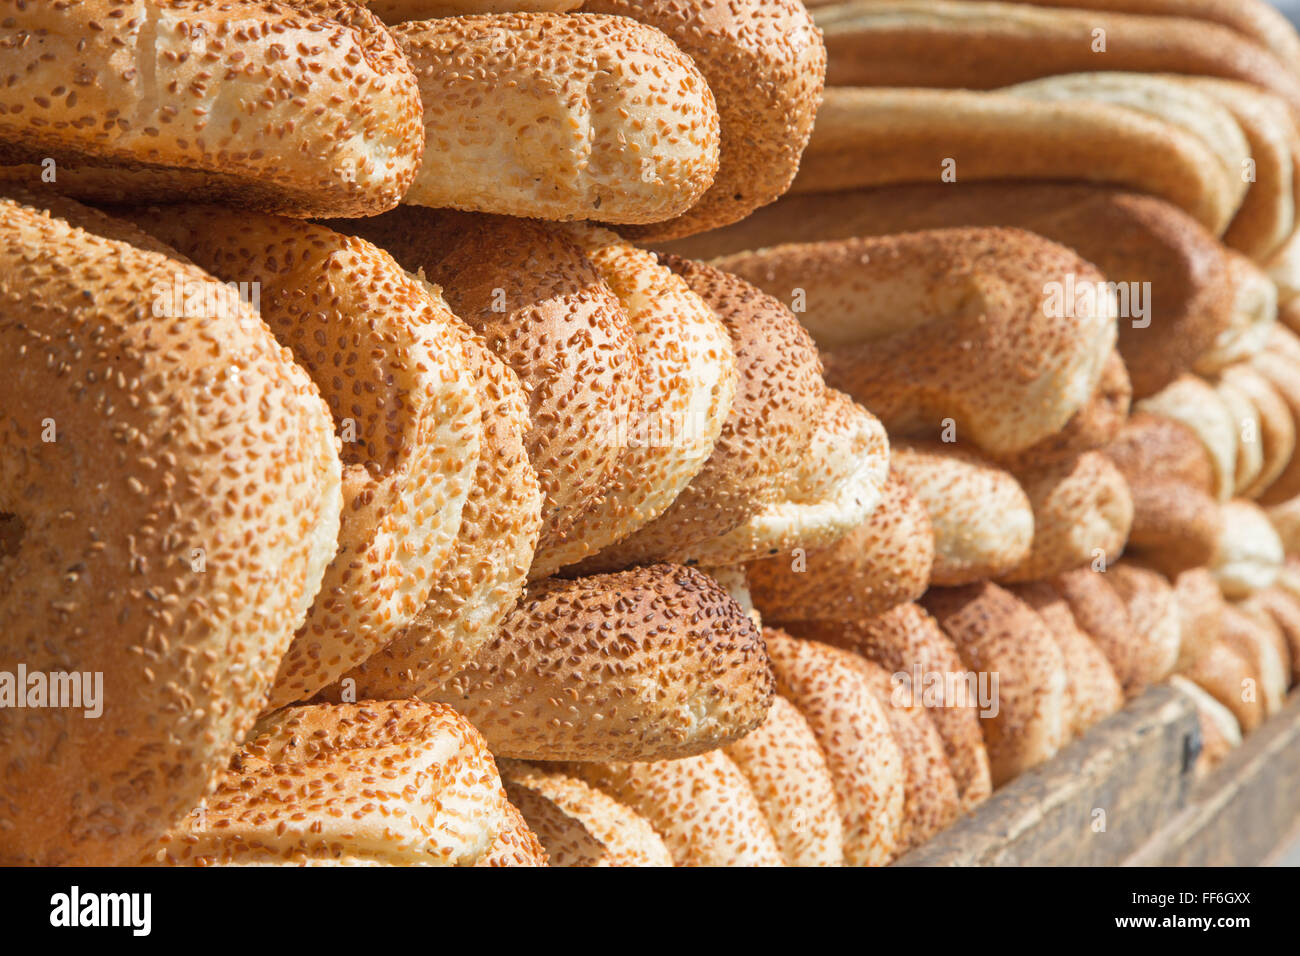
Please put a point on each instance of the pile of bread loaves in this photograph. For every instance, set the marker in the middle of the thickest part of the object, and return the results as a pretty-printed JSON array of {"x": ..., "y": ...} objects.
[{"x": 418, "y": 408}]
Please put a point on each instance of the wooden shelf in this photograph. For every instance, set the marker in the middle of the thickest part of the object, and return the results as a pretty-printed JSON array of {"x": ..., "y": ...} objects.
[{"x": 1127, "y": 793}]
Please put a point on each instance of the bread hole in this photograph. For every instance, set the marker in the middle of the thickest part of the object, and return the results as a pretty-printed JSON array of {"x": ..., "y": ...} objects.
[{"x": 12, "y": 530}]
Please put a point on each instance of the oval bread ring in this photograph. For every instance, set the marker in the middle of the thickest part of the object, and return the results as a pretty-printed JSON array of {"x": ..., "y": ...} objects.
[
  {"x": 1220, "y": 732},
  {"x": 1200, "y": 609},
  {"x": 1254, "y": 313},
  {"x": 652, "y": 663},
  {"x": 200, "y": 616},
  {"x": 765, "y": 63},
  {"x": 702, "y": 806},
  {"x": 1277, "y": 432},
  {"x": 1267, "y": 217},
  {"x": 1164, "y": 98},
  {"x": 1153, "y": 445},
  {"x": 1284, "y": 609},
  {"x": 1260, "y": 643},
  {"x": 303, "y": 792},
  {"x": 279, "y": 153},
  {"x": 915, "y": 135},
  {"x": 1285, "y": 519},
  {"x": 1249, "y": 553},
  {"x": 1225, "y": 674},
  {"x": 780, "y": 396},
  {"x": 949, "y": 324},
  {"x": 487, "y": 572},
  {"x": 865, "y": 761},
  {"x": 689, "y": 383},
  {"x": 399, "y": 11},
  {"x": 1103, "y": 615},
  {"x": 559, "y": 116},
  {"x": 1096, "y": 423},
  {"x": 1186, "y": 267},
  {"x": 931, "y": 43},
  {"x": 996, "y": 633},
  {"x": 529, "y": 289},
  {"x": 907, "y": 641},
  {"x": 930, "y": 801},
  {"x": 883, "y": 562},
  {"x": 1253, "y": 19},
  {"x": 1198, "y": 406},
  {"x": 1154, "y": 620},
  {"x": 578, "y": 824},
  {"x": 834, "y": 489},
  {"x": 1245, "y": 418},
  {"x": 787, "y": 771},
  {"x": 1280, "y": 364},
  {"x": 1093, "y": 692},
  {"x": 515, "y": 845},
  {"x": 982, "y": 520},
  {"x": 1083, "y": 511},
  {"x": 386, "y": 353}
]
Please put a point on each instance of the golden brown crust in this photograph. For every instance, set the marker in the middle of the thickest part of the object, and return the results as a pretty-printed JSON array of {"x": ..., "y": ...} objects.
[
  {"x": 333, "y": 130},
  {"x": 578, "y": 824},
  {"x": 688, "y": 382},
  {"x": 865, "y": 761},
  {"x": 1131, "y": 238},
  {"x": 1249, "y": 553},
  {"x": 986, "y": 45},
  {"x": 702, "y": 806},
  {"x": 834, "y": 488},
  {"x": 1154, "y": 621},
  {"x": 983, "y": 522},
  {"x": 1082, "y": 514},
  {"x": 397, "y": 783},
  {"x": 919, "y": 136},
  {"x": 1092, "y": 689},
  {"x": 647, "y": 664},
  {"x": 1280, "y": 364},
  {"x": 1277, "y": 434},
  {"x": 949, "y": 325},
  {"x": 516, "y": 844},
  {"x": 385, "y": 352},
  {"x": 884, "y": 562},
  {"x": 559, "y": 116},
  {"x": 399, "y": 11},
  {"x": 765, "y": 63},
  {"x": 909, "y": 643},
  {"x": 1094, "y": 425},
  {"x": 1200, "y": 610},
  {"x": 779, "y": 400},
  {"x": 789, "y": 776},
  {"x": 532, "y": 293},
  {"x": 996, "y": 633},
  {"x": 1102, "y": 613},
  {"x": 1194, "y": 403},
  {"x": 1224, "y": 673},
  {"x": 1284, "y": 610},
  {"x": 488, "y": 570},
  {"x": 1259, "y": 642},
  {"x": 182, "y": 577},
  {"x": 930, "y": 801}
]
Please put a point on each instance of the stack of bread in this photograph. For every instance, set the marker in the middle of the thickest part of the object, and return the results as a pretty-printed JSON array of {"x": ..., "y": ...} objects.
[{"x": 445, "y": 451}]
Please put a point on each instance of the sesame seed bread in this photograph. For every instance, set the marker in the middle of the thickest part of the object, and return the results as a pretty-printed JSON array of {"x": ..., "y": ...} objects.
[
  {"x": 559, "y": 116},
  {"x": 385, "y": 352},
  {"x": 578, "y": 824},
  {"x": 906, "y": 640},
  {"x": 980, "y": 516},
  {"x": 865, "y": 761},
  {"x": 647, "y": 664},
  {"x": 765, "y": 63},
  {"x": 139, "y": 100},
  {"x": 159, "y": 543},
  {"x": 394, "y": 783},
  {"x": 949, "y": 325},
  {"x": 883, "y": 562}
]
